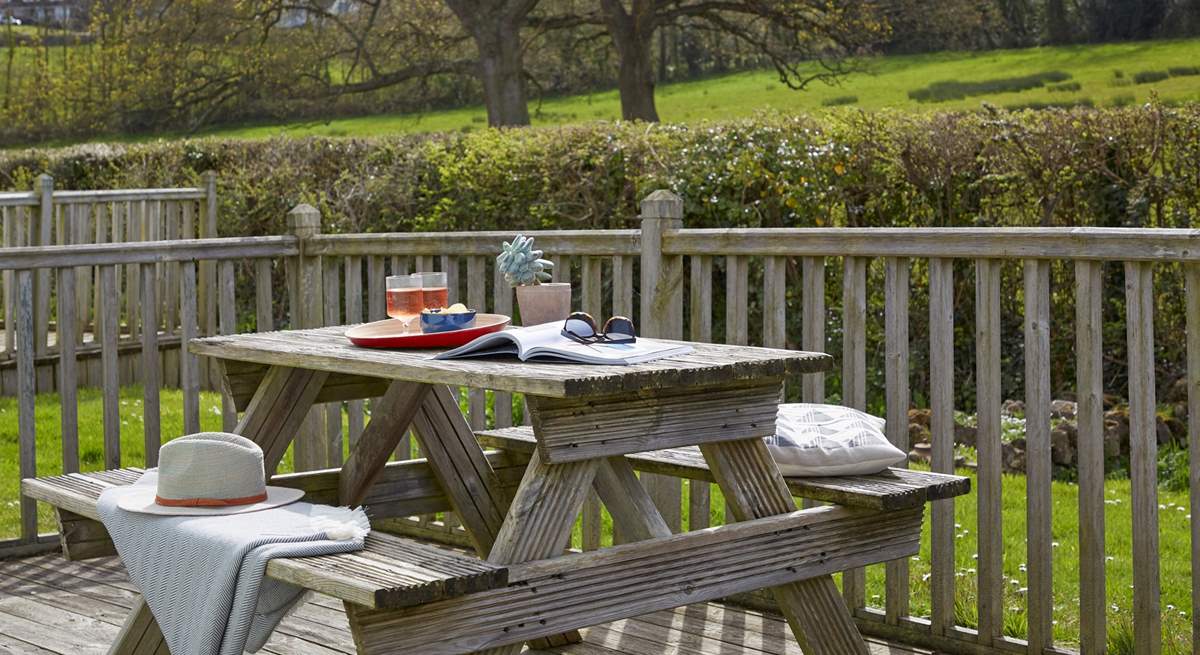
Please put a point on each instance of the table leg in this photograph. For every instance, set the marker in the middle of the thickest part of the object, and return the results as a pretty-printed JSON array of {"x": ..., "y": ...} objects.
[
  {"x": 754, "y": 489},
  {"x": 278, "y": 409},
  {"x": 630, "y": 505},
  {"x": 473, "y": 488},
  {"x": 391, "y": 416},
  {"x": 539, "y": 521},
  {"x": 139, "y": 634}
]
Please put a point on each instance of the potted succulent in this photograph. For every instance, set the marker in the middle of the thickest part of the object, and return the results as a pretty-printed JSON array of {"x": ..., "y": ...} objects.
[{"x": 539, "y": 299}]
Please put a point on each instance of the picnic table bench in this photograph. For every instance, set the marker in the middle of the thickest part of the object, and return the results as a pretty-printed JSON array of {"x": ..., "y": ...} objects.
[{"x": 700, "y": 416}]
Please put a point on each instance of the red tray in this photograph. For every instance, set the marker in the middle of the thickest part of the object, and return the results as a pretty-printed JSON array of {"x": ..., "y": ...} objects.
[{"x": 388, "y": 333}]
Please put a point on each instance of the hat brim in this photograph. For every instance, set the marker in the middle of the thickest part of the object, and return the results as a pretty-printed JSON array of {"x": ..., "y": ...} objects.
[{"x": 142, "y": 501}]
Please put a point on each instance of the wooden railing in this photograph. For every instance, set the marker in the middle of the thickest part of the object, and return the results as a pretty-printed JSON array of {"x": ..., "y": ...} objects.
[
  {"x": 337, "y": 279},
  {"x": 49, "y": 217}
]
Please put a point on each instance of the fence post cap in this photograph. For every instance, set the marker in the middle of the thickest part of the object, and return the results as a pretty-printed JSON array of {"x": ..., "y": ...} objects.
[
  {"x": 304, "y": 217},
  {"x": 210, "y": 176},
  {"x": 662, "y": 204},
  {"x": 45, "y": 180}
]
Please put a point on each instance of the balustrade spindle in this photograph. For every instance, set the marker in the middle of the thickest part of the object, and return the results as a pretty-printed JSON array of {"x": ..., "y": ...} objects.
[
  {"x": 68, "y": 375},
  {"x": 941, "y": 424},
  {"x": 477, "y": 299},
  {"x": 736, "y": 318},
  {"x": 896, "y": 293},
  {"x": 775, "y": 303},
  {"x": 502, "y": 302},
  {"x": 1089, "y": 368},
  {"x": 26, "y": 392},
  {"x": 854, "y": 381},
  {"x": 376, "y": 279},
  {"x": 1040, "y": 596},
  {"x": 189, "y": 365},
  {"x": 622, "y": 286},
  {"x": 110, "y": 375},
  {"x": 332, "y": 297},
  {"x": 812, "y": 387},
  {"x": 990, "y": 518},
  {"x": 700, "y": 326},
  {"x": 228, "y": 325},
  {"x": 264, "y": 307},
  {"x": 1143, "y": 458},
  {"x": 150, "y": 367},
  {"x": 354, "y": 309},
  {"x": 1192, "y": 289}
]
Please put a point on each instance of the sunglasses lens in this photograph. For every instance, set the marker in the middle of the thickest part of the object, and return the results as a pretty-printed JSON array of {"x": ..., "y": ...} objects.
[
  {"x": 580, "y": 328},
  {"x": 619, "y": 328}
]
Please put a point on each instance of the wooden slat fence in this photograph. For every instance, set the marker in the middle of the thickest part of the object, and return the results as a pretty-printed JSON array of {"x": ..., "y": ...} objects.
[
  {"x": 45, "y": 217},
  {"x": 338, "y": 278}
]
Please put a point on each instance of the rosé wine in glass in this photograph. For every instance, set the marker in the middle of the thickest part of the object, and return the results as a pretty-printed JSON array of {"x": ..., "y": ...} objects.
[
  {"x": 434, "y": 290},
  {"x": 404, "y": 299}
]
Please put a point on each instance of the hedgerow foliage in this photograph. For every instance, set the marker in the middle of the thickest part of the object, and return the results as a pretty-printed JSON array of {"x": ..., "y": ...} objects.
[{"x": 1133, "y": 166}]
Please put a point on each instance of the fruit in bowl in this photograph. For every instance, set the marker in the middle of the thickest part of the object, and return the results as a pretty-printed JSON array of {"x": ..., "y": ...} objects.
[{"x": 454, "y": 317}]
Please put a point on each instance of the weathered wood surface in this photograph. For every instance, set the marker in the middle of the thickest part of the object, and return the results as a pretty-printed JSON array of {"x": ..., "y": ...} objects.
[
  {"x": 585, "y": 589},
  {"x": 559, "y": 242},
  {"x": 893, "y": 489},
  {"x": 1080, "y": 243},
  {"x": 390, "y": 572},
  {"x": 327, "y": 349},
  {"x": 574, "y": 429},
  {"x": 48, "y": 607},
  {"x": 755, "y": 491},
  {"x": 1143, "y": 459},
  {"x": 147, "y": 252}
]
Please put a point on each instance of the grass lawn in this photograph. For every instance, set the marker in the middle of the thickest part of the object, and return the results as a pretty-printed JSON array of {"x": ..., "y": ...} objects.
[
  {"x": 885, "y": 85},
  {"x": 1174, "y": 525}
]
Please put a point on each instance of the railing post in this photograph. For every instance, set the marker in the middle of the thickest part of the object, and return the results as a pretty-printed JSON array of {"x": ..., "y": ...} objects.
[
  {"x": 207, "y": 297},
  {"x": 662, "y": 316},
  {"x": 662, "y": 276},
  {"x": 41, "y": 282},
  {"x": 304, "y": 222}
]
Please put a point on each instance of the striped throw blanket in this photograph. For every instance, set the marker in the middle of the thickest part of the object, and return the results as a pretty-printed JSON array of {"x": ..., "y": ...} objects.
[{"x": 203, "y": 576}]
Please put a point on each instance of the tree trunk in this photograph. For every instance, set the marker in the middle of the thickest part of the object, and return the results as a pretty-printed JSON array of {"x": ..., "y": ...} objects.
[
  {"x": 633, "y": 37},
  {"x": 1058, "y": 28},
  {"x": 636, "y": 81},
  {"x": 495, "y": 26},
  {"x": 502, "y": 72}
]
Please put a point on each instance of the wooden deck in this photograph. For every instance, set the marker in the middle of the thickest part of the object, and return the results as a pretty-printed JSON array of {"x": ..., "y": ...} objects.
[{"x": 48, "y": 605}]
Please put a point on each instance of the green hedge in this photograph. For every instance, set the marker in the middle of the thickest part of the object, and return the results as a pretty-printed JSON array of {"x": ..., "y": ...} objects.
[{"x": 1132, "y": 166}]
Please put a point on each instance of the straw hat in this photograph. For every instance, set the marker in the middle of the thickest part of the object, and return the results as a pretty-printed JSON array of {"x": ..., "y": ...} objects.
[{"x": 208, "y": 474}]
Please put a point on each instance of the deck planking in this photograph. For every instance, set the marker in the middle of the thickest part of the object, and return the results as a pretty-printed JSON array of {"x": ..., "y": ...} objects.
[{"x": 52, "y": 607}]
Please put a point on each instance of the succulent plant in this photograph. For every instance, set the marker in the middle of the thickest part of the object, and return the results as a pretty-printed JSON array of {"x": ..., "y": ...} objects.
[{"x": 521, "y": 264}]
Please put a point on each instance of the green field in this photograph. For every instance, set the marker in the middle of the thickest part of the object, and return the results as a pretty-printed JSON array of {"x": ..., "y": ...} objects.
[
  {"x": 1105, "y": 75},
  {"x": 885, "y": 85},
  {"x": 1174, "y": 525}
]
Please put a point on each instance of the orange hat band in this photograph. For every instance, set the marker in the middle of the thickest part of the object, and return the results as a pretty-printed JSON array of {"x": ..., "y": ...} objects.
[{"x": 210, "y": 502}]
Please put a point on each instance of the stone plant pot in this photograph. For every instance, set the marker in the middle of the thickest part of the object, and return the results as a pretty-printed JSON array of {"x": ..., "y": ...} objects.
[{"x": 544, "y": 303}]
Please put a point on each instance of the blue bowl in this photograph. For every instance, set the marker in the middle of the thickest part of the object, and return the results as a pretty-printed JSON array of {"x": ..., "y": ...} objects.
[{"x": 438, "y": 322}]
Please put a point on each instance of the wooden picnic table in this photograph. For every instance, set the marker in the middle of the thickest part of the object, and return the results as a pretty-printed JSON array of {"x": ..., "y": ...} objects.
[
  {"x": 701, "y": 415},
  {"x": 722, "y": 398}
]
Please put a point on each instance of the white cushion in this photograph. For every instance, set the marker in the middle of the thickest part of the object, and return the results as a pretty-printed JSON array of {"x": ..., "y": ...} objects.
[{"x": 814, "y": 440}]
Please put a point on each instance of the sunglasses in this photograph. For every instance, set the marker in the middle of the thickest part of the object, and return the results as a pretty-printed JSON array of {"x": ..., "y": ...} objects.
[{"x": 581, "y": 327}]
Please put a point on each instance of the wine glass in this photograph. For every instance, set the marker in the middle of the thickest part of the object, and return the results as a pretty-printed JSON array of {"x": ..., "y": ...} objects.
[
  {"x": 435, "y": 294},
  {"x": 404, "y": 298}
]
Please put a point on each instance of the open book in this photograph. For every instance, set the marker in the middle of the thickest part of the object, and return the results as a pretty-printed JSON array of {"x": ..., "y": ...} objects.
[{"x": 546, "y": 343}]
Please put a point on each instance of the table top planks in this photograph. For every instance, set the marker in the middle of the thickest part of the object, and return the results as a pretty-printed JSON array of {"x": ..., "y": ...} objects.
[{"x": 327, "y": 349}]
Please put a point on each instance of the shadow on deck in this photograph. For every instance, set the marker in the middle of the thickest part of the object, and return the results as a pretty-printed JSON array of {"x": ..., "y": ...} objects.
[{"x": 48, "y": 605}]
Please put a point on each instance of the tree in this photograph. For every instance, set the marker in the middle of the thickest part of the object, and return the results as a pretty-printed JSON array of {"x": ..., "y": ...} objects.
[
  {"x": 1058, "y": 27},
  {"x": 804, "y": 40},
  {"x": 495, "y": 26}
]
